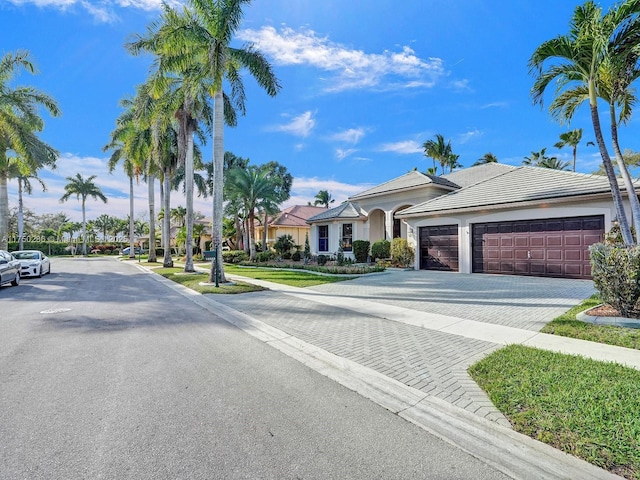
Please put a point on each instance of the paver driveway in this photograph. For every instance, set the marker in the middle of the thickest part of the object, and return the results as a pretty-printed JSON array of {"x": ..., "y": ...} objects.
[{"x": 520, "y": 302}]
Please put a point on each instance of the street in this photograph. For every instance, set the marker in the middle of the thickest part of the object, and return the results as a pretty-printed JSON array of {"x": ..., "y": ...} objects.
[{"x": 106, "y": 373}]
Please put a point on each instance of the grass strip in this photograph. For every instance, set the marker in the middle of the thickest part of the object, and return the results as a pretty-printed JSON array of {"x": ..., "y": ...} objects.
[
  {"x": 566, "y": 325},
  {"x": 285, "y": 277},
  {"x": 193, "y": 280},
  {"x": 583, "y": 407}
]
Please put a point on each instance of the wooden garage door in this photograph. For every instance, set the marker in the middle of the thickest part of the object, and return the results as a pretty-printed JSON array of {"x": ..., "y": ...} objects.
[
  {"x": 556, "y": 247},
  {"x": 439, "y": 248}
]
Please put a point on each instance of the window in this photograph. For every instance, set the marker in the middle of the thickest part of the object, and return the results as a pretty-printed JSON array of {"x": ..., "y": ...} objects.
[
  {"x": 323, "y": 238},
  {"x": 347, "y": 236}
]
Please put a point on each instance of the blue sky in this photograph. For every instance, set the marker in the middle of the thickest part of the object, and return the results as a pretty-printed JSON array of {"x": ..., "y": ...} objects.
[{"x": 364, "y": 84}]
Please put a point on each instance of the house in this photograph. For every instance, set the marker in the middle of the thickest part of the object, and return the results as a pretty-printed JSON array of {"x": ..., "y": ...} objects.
[
  {"x": 491, "y": 218},
  {"x": 290, "y": 221}
]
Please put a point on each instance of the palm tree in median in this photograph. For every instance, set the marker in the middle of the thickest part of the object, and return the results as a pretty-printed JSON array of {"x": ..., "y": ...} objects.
[
  {"x": 19, "y": 122},
  {"x": 82, "y": 189},
  {"x": 575, "y": 62}
]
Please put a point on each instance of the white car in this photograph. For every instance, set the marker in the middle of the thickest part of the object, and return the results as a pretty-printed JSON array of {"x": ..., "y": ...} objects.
[{"x": 33, "y": 263}]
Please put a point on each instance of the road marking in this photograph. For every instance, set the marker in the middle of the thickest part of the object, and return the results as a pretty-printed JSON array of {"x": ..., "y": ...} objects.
[{"x": 56, "y": 310}]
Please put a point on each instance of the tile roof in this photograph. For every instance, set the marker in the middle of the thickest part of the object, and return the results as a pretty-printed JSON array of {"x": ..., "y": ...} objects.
[
  {"x": 296, "y": 216},
  {"x": 346, "y": 210},
  {"x": 517, "y": 185},
  {"x": 468, "y": 176},
  {"x": 410, "y": 180}
]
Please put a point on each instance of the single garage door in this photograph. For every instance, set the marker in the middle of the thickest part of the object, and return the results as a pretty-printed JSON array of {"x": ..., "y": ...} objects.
[
  {"x": 439, "y": 248},
  {"x": 557, "y": 247}
]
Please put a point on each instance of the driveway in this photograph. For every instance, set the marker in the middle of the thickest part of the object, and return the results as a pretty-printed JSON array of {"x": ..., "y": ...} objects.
[{"x": 521, "y": 302}]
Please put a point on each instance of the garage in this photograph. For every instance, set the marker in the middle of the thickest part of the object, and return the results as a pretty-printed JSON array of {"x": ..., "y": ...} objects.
[
  {"x": 439, "y": 248},
  {"x": 557, "y": 247}
]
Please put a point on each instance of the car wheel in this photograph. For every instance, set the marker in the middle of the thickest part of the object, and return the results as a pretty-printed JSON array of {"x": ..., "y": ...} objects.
[
  {"x": 49, "y": 271},
  {"x": 16, "y": 281},
  {"x": 40, "y": 273}
]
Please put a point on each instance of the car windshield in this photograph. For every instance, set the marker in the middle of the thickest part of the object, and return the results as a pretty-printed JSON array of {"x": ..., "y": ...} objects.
[{"x": 26, "y": 255}]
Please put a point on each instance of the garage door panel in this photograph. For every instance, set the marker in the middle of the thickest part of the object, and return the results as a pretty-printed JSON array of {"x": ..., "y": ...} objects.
[
  {"x": 439, "y": 247},
  {"x": 546, "y": 247}
]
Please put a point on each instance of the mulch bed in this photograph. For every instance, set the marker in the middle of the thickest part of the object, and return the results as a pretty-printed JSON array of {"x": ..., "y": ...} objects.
[{"x": 607, "y": 311}]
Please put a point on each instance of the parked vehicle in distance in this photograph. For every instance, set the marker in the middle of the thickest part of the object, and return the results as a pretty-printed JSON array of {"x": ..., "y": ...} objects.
[
  {"x": 136, "y": 251},
  {"x": 33, "y": 263},
  {"x": 9, "y": 269}
]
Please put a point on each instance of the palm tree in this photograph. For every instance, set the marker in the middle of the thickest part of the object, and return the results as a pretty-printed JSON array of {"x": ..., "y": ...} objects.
[
  {"x": 103, "y": 224},
  {"x": 323, "y": 197},
  {"x": 82, "y": 188},
  {"x": 252, "y": 186},
  {"x": 179, "y": 216},
  {"x": 553, "y": 163},
  {"x": 18, "y": 169},
  {"x": 439, "y": 150},
  {"x": 211, "y": 26},
  {"x": 19, "y": 122},
  {"x": 486, "y": 158},
  {"x": 199, "y": 229},
  {"x": 452, "y": 162},
  {"x": 571, "y": 138},
  {"x": 538, "y": 158},
  {"x": 576, "y": 64}
]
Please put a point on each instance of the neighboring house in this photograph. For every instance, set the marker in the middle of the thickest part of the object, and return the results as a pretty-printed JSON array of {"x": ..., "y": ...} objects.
[
  {"x": 290, "y": 221},
  {"x": 491, "y": 218}
]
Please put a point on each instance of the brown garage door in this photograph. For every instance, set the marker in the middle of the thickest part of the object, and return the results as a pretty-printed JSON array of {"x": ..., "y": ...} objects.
[
  {"x": 439, "y": 248},
  {"x": 556, "y": 247}
]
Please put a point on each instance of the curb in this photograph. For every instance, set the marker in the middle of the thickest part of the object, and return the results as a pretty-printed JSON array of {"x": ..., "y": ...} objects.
[
  {"x": 615, "y": 321},
  {"x": 510, "y": 452}
]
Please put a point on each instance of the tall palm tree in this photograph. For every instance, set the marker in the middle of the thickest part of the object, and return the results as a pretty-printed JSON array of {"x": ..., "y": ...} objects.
[
  {"x": 538, "y": 158},
  {"x": 18, "y": 169},
  {"x": 281, "y": 181},
  {"x": 439, "y": 150},
  {"x": 553, "y": 163},
  {"x": 179, "y": 216},
  {"x": 211, "y": 27},
  {"x": 572, "y": 139},
  {"x": 323, "y": 197},
  {"x": 486, "y": 158},
  {"x": 576, "y": 60},
  {"x": 19, "y": 122},
  {"x": 82, "y": 189},
  {"x": 103, "y": 224}
]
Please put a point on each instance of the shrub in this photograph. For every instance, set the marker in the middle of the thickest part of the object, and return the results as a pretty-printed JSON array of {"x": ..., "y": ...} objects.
[
  {"x": 284, "y": 244},
  {"x": 322, "y": 259},
  {"x": 295, "y": 256},
  {"x": 286, "y": 255},
  {"x": 307, "y": 247},
  {"x": 234, "y": 256},
  {"x": 616, "y": 275},
  {"x": 265, "y": 256},
  {"x": 361, "y": 250},
  {"x": 401, "y": 253},
  {"x": 381, "y": 249}
]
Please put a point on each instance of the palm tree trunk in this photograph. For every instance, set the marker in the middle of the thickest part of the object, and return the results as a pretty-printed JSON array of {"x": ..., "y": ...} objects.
[
  {"x": 4, "y": 212},
  {"x": 152, "y": 218},
  {"x": 168, "y": 261},
  {"x": 84, "y": 228},
  {"x": 218, "y": 183},
  {"x": 613, "y": 181},
  {"x": 628, "y": 182},
  {"x": 20, "y": 216},
  {"x": 575, "y": 155},
  {"x": 163, "y": 233},
  {"x": 252, "y": 235},
  {"x": 132, "y": 252},
  {"x": 188, "y": 181},
  {"x": 264, "y": 231}
]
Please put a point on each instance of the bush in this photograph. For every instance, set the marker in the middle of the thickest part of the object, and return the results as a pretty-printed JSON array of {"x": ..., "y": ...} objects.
[
  {"x": 381, "y": 249},
  {"x": 234, "y": 256},
  {"x": 284, "y": 244},
  {"x": 616, "y": 275},
  {"x": 401, "y": 253},
  {"x": 265, "y": 256},
  {"x": 49, "y": 248},
  {"x": 322, "y": 259},
  {"x": 286, "y": 255},
  {"x": 295, "y": 256},
  {"x": 361, "y": 250}
]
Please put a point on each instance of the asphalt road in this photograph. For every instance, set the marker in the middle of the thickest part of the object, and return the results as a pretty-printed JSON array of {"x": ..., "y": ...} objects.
[{"x": 106, "y": 373}]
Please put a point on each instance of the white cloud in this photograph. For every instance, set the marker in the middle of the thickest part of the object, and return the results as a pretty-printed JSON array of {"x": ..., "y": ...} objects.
[
  {"x": 102, "y": 11},
  {"x": 299, "y": 126},
  {"x": 495, "y": 105},
  {"x": 305, "y": 189},
  {"x": 353, "y": 68},
  {"x": 470, "y": 135},
  {"x": 352, "y": 135},
  {"x": 341, "y": 153},
  {"x": 404, "y": 147}
]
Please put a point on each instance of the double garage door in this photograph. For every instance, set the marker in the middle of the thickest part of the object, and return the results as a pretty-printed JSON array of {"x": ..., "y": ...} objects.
[{"x": 556, "y": 247}]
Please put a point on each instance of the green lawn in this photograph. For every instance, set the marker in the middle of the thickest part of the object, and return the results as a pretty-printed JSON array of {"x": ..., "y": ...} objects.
[
  {"x": 586, "y": 408},
  {"x": 286, "y": 277},
  {"x": 193, "y": 280},
  {"x": 566, "y": 325}
]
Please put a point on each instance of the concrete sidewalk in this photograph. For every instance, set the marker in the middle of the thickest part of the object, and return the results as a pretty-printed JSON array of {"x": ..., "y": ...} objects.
[{"x": 410, "y": 361}]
